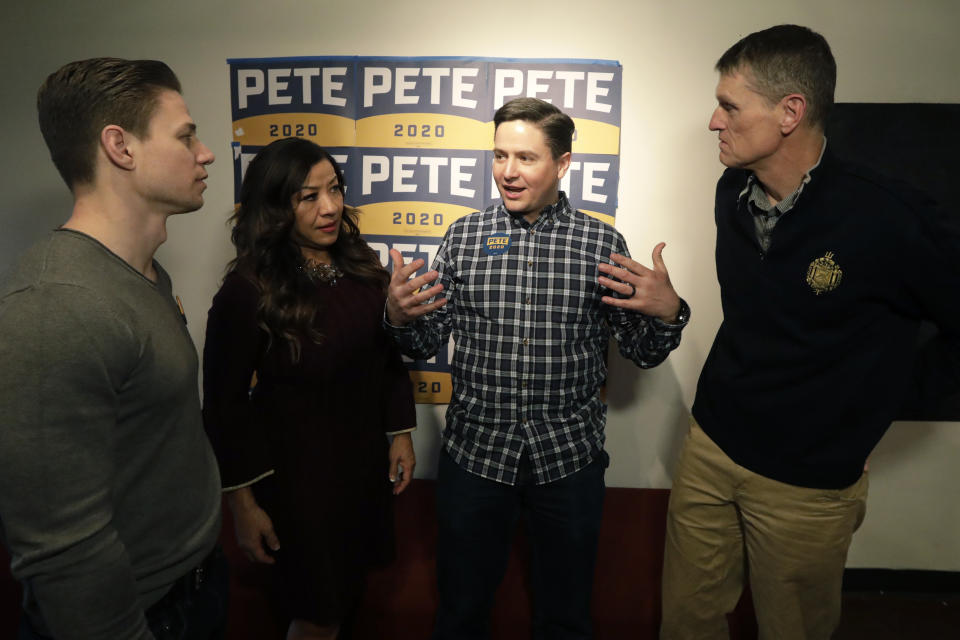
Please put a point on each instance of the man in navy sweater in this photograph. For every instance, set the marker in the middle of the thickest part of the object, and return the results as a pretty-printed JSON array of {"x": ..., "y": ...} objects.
[{"x": 826, "y": 271}]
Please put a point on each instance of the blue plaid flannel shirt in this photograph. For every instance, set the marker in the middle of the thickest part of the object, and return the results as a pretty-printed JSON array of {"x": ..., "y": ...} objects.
[{"x": 530, "y": 339}]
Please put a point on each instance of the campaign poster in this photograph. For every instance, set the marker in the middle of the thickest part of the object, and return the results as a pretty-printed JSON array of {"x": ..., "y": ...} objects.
[{"x": 414, "y": 138}]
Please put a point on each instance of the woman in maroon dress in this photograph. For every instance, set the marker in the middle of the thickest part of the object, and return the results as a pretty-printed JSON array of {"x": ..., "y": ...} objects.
[{"x": 304, "y": 454}]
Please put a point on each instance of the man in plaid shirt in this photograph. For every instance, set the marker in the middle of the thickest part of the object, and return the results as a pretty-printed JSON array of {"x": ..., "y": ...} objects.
[{"x": 532, "y": 292}]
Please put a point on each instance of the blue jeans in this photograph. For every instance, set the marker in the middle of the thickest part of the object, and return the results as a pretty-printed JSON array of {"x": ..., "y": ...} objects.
[
  {"x": 476, "y": 519},
  {"x": 195, "y": 608}
]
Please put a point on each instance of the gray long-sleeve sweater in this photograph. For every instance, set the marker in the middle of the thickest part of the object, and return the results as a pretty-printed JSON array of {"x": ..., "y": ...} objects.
[{"x": 108, "y": 487}]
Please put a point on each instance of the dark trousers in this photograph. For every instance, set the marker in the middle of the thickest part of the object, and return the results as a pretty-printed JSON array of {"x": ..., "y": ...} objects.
[
  {"x": 195, "y": 608},
  {"x": 477, "y": 518}
]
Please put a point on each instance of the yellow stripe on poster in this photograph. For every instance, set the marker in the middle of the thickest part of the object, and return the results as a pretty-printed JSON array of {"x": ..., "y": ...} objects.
[
  {"x": 443, "y": 131},
  {"x": 424, "y": 131},
  {"x": 596, "y": 137},
  {"x": 404, "y": 218},
  {"x": 602, "y": 217},
  {"x": 430, "y": 387},
  {"x": 399, "y": 130},
  {"x": 324, "y": 129}
]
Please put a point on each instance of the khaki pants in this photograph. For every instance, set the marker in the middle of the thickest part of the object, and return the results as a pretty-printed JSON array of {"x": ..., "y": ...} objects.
[{"x": 725, "y": 521}]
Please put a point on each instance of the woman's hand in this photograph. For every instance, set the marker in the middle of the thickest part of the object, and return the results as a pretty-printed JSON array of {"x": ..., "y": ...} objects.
[
  {"x": 253, "y": 526},
  {"x": 402, "y": 456}
]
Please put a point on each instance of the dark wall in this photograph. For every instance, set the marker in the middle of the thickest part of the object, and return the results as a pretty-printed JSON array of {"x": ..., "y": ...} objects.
[{"x": 918, "y": 144}]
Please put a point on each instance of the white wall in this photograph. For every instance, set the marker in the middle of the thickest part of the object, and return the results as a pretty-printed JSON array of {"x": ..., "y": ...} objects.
[{"x": 887, "y": 51}]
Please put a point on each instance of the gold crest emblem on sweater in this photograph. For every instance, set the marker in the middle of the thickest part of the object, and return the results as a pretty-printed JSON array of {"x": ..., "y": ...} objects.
[{"x": 824, "y": 274}]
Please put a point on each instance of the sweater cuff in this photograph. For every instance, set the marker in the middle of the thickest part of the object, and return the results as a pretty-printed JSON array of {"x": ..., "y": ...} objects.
[{"x": 247, "y": 483}]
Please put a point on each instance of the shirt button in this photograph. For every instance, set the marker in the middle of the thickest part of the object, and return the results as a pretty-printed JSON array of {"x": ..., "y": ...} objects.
[
  {"x": 525, "y": 341},
  {"x": 532, "y": 231},
  {"x": 527, "y": 300},
  {"x": 523, "y": 385},
  {"x": 529, "y": 263}
]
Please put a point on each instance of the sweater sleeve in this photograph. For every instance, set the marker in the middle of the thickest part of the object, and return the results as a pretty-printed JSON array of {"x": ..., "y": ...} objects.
[
  {"x": 232, "y": 347},
  {"x": 64, "y": 354},
  {"x": 400, "y": 413}
]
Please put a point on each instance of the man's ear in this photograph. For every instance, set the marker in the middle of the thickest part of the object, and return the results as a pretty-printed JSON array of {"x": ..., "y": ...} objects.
[
  {"x": 564, "y": 162},
  {"x": 794, "y": 108},
  {"x": 115, "y": 142}
]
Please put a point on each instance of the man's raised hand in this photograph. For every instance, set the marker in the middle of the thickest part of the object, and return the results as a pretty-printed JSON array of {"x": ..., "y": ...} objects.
[
  {"x": 405, "y": 300},
  {"x": 647, "y": 290}
]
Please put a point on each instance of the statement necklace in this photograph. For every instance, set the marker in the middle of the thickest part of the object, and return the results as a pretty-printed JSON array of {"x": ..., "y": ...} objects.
[{"x": 320, "y": 271}]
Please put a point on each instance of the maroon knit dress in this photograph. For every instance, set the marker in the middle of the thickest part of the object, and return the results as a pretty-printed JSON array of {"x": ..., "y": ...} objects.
[{"x": 319, "y": 424}]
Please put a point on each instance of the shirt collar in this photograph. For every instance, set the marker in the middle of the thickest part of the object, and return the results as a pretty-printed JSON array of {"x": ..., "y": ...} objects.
[
  {"x": 558, "y": 212},
  {"x": 755, "y": 194}
]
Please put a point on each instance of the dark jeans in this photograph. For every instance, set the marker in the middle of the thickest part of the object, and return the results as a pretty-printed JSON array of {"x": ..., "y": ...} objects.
[
  {"x": 195, "y": 608},
  {"x": 477, "y": 518}
]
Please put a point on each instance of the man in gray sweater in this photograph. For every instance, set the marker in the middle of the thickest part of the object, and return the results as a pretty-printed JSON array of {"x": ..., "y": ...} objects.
[{"x": 109, "y": 493}]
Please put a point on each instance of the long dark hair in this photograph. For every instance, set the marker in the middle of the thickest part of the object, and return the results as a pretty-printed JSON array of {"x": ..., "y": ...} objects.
[{"x": 267, "y": 253}]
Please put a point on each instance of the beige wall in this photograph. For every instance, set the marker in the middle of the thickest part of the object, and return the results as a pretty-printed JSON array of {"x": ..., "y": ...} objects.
[{"x": 887, "y": 50}]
